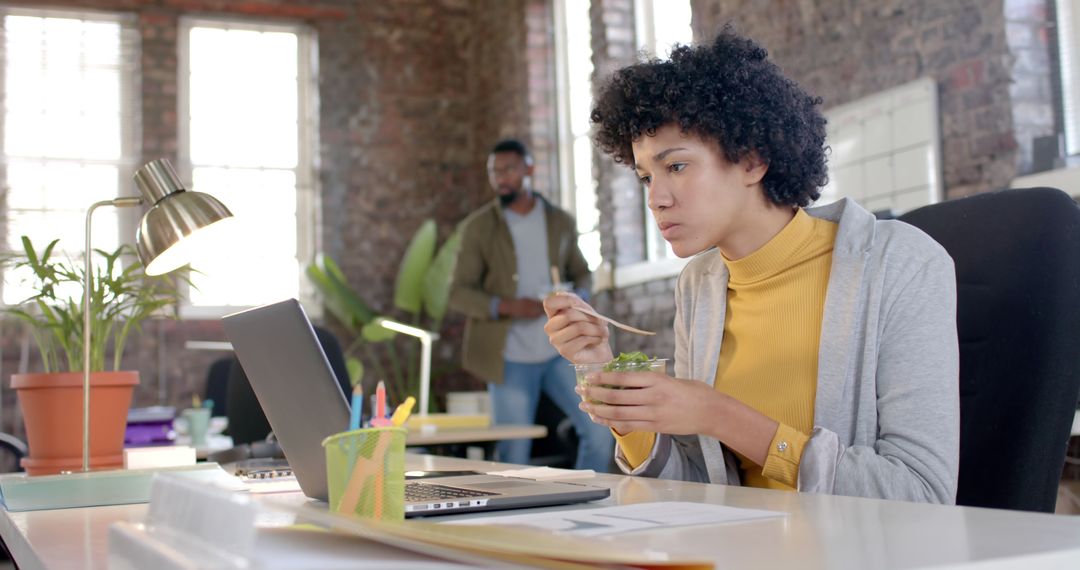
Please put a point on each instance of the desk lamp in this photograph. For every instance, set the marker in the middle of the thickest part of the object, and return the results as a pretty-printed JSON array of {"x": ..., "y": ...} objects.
[
  {"x": 177, "y": 225},
  {"x": 426, "y": 338}
]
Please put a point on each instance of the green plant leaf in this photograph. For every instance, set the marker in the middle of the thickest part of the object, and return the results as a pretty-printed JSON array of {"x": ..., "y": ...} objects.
[
  {"x": 121, "y": 297},
  {"x": 409, "y": 287},
  {"x": 332, "y": 299},
  {"x": 372, "y": 332},
  {"x": 438, "y": 277},
  {"x": 31, "y": 254},
  {"x": 356, "y": 370},
  {"x": 339, "y": 298}
]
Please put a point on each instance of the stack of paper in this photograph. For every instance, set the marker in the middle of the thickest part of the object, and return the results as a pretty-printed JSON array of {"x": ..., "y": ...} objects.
[{"x": 497, "y": 544}]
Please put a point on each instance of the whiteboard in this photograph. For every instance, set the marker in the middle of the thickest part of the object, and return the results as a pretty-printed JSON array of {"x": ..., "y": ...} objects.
[{"x": 885, "y": 149}]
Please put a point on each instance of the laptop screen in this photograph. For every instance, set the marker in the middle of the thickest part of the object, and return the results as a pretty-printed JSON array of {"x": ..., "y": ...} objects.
[{"x": 294, "y": 384}]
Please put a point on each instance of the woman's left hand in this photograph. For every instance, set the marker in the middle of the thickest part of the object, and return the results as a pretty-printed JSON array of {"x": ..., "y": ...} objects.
[{"x": 650, "y": 402}]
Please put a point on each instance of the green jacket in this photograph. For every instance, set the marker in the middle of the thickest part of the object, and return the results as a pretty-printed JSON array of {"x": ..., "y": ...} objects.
[{"x": 487, "y": 268}]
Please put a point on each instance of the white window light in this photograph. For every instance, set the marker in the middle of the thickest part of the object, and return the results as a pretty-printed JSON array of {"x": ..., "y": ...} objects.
[
  {"x": 246, "y": 129},
  {"x": 659, "y": 27},
  {"x": 69, "y": 100},
  {"x": 574, "y": 82}
]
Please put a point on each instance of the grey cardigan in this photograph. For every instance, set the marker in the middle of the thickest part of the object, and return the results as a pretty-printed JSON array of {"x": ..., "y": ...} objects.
[{"x": 887, "y": 415}]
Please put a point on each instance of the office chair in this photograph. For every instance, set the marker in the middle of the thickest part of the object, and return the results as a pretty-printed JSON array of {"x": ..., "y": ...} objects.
[
  {"x": 217, "y": 384},
  {"x": 16, "y": 449},
  {"x": 247, "y": 422},
  {"x": 560, "y": 446},
  {"x": 1017, "y": 255}
]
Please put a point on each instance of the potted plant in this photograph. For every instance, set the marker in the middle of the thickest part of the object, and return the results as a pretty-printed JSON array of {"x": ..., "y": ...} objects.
[
  {"x": 421, "y": 293},
  {"x": 121, "y": 298}
]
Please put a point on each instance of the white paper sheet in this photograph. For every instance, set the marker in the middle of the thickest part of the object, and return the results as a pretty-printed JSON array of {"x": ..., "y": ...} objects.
[
  {"x": 546, "y": 473},
  {"x": 626, "y": 518}
]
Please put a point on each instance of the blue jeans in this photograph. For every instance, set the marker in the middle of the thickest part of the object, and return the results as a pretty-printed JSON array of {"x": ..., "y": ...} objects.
[{"x": 515, "y": 401}]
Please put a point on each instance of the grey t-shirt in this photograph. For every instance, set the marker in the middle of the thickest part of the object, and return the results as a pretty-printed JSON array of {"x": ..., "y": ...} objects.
[{"x": 527, "y": 342}]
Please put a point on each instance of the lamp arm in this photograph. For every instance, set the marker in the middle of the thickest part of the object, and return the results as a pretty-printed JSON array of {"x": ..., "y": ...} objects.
[
  {"x": 426, "y": 338},
  {"x": 89, "y": 276},
  {"x": 425, "y": 373}
]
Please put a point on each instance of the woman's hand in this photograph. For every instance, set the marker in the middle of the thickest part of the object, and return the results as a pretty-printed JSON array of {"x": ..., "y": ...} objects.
[
  {"x": 579, "y": 338},
  {"x": 654, "y": 402},
  {"x": 650, "y": 402}
]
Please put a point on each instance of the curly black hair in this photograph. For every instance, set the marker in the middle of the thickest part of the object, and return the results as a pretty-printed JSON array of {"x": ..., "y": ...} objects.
[{"x": 729, "y": 92}]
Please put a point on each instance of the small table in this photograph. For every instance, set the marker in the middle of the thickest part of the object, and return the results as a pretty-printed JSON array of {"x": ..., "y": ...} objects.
[{"x": 452, "y": 439}]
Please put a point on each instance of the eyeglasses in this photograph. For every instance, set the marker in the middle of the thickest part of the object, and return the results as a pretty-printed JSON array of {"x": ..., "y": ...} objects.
[{"x": 507, "y": 169}]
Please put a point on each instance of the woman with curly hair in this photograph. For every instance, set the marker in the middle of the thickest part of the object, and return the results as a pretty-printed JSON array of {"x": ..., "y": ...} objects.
[{"x": 815, "y": 348}]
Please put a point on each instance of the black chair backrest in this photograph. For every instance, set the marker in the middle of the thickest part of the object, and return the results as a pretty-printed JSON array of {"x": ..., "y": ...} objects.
[
  {"x": 247, "y": 422},
  {"x": 17, "y": 449},
  {"x": 1017, "y": 255},
  {"x": 217, "y": 384}
]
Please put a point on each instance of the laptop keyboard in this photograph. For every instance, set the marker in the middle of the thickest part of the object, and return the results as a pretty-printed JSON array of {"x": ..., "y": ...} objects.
[{"x": 418, "y": 492}]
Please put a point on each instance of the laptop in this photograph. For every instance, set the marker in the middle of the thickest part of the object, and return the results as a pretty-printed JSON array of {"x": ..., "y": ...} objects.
[{"x": 297, "y": 391}]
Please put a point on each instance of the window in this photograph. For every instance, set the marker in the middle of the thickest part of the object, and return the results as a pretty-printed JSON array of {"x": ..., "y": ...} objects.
[
  {"x": 578, "y": 181},
  {"x": 658, "y": 30},
  {"x": 1068, "y": 20},
  {"x": 246, "y": 131},
  {"x": 67, "y": 129}
]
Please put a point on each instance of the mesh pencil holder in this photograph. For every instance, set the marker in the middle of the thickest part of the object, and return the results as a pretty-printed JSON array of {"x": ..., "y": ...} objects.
[{"x": 365, "y": 472}]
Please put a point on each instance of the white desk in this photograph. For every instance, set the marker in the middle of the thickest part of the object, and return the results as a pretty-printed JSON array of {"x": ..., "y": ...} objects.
[{"x": 819, "y": 531}]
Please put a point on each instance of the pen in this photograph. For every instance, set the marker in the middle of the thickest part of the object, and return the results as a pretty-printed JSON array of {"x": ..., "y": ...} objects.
[
  {"x": 378, "y": 417},
  {"x": 401, "y": 413},
  {"x": 357, "y": 406}
]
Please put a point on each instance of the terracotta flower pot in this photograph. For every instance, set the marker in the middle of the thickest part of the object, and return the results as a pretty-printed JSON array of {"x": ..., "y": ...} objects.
[{"x": 52, "y": 405}]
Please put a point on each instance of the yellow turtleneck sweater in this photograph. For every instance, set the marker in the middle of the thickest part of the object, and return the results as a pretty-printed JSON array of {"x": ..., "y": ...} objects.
[{"x": 769, "y": 356}]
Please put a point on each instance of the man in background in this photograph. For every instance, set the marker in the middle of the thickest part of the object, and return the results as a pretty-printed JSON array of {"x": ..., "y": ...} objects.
[{"x": 512, "y": 251}]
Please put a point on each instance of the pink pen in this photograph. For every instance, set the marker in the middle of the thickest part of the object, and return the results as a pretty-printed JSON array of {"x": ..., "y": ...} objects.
[{"x": 379, "y": 419}]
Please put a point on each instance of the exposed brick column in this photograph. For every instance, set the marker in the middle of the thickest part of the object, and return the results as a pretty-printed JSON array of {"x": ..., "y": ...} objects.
[
  {"x": 159, "y": 83},
  {"x": 618, "y": 192},
  {"x": 542, "y": 107}
]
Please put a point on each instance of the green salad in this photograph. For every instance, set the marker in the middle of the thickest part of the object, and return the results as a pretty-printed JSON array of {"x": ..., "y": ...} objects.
[{"x": 628, "y": 361}]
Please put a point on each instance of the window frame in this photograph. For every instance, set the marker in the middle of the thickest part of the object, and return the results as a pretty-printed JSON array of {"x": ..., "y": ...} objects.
[
  {"x": 1068, "y": 44},
  {"x": 308, "y": 200},
  {"x": 568, "y": 188}
]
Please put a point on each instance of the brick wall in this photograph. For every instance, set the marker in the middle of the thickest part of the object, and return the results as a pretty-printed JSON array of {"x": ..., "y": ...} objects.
[
  {"x": 846, "y": 50},
  {"x": 990, "y": 60},
  {"x": 412, "y": 94}
]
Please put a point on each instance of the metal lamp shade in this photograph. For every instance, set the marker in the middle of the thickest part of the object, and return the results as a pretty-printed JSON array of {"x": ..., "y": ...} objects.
[
  {"x": 177, "y": 222},
  {"x": 171, "y": 225}
]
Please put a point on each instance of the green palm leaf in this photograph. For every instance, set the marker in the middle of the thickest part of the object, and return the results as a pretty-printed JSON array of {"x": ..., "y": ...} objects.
[
  {"x": 438, "y": 277},
  {"x": 373, "y": 332},
  {"x": 338, "y": 297},
  {"x": 409, "y": 287}
]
